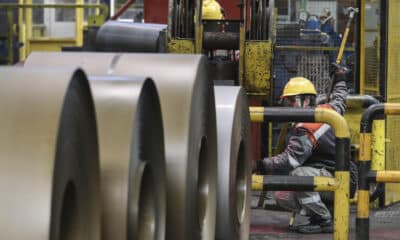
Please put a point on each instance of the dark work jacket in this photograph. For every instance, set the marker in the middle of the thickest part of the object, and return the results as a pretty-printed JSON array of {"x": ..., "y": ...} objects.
[{"x": 311, "y": 144}]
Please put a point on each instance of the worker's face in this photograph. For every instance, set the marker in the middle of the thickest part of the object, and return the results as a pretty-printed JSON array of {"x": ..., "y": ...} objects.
[{"x": 295, "y": 101}]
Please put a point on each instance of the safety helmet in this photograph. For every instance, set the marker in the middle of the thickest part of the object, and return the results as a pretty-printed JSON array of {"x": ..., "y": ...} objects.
[
  {"x": 298, "y": 86},
  {"x": 211, "y": 10}
]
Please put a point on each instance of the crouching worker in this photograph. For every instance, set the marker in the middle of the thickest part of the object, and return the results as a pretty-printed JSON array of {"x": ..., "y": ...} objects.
[{"x": 310, "y": 151}]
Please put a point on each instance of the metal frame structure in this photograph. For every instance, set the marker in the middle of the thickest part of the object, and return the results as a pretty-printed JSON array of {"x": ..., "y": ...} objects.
[
  {"x": 25, "y": 25},
  {"x": 340, "y": 184},
  {"x": 366, "y": 175}
]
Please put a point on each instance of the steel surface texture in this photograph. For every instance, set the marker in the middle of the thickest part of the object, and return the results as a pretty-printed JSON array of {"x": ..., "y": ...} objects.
[
  {"x": 132, "y": 162},
  {"x": 188, "y": 110},
  {"x": 93, "y": 63},
  {"x": 130, "y": 37},
  {"x": 234, "y": 163},
  {"x": 49, "y": 157}
]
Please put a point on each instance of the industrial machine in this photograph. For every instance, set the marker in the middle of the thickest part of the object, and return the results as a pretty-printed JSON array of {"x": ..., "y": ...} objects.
[{"x": 256, "y": 44}]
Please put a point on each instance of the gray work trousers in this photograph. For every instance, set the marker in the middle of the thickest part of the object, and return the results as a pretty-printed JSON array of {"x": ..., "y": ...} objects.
[{"x": 306, "y": 203}]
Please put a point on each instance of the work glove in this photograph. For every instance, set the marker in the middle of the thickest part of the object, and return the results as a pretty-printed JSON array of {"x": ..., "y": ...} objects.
[{"x": 339, "y": 73}]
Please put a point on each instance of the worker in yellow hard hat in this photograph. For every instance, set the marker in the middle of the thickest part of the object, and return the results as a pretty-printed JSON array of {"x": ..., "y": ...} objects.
[
  {"x": 299, "y": 92},
  {"x": 310, "y": 151},
  {"x": 212, "y": 10}
]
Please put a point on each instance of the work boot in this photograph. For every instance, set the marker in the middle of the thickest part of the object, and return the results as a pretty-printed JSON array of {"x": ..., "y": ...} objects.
[
  {"x": 313, "y": 220},
  {"x": 316, "y": 225}
]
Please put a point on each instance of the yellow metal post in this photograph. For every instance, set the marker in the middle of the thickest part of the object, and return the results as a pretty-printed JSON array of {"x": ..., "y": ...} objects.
[
  {"x": 198, "y": 29},
  {"x": 341, "y": 199},
  {"x": 257, "y": 182},
  {"x": 363, "y": 204},
  {"x": 242, "y": 39},
  {"x": 362, "y": 46},
  {"x": 256, "y": 114},
  {"x": 257, "y": 63},
  {"x": 378, "y": 145},
  {"x": 28, "y": 28},
  {"x": 342, "y": 206},
  {"x": 79, "y": 24}
]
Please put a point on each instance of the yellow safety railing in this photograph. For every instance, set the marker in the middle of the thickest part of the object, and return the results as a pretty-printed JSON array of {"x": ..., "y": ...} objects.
[
  {"x": 366, "y": 175},
  {"x": 340, "y": 184},
  {"x": 25, "y": 25}
]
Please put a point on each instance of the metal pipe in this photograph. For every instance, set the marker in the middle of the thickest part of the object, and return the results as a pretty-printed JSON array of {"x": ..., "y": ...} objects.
[
  {"x": 360, "y": 101},
  {"x": 369, "y": 115},
  {"x": 384, "y": 176},
  {"x": 112, "y": 7},
  {"x": 124, "y": 7},
  {"x": 293, "y": 183},
  {"x": 281, "y": 114},
  {"x": 365, "y": 175},
  {"x": 342, "y": 156},
  {"x": 79, "y": 24},
  {"x": 353, "y": 101},
  {"x": 220, "y": 40}
]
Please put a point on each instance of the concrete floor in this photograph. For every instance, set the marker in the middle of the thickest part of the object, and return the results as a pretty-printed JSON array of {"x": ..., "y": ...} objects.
[{"x": 273, "y": 224}]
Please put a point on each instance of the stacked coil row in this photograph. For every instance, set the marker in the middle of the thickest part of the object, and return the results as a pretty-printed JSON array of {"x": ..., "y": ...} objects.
[{"x": 122, "y": 146}]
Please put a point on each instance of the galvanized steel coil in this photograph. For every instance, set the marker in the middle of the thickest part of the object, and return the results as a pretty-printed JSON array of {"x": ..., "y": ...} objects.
[
  {"x": 49, "y": 155},
  {"x": 188, "y": 109},
  {"x": 132, "y": 161},
  {"x": 114, "y": 36},
  {"x": 234, "y": 163}
]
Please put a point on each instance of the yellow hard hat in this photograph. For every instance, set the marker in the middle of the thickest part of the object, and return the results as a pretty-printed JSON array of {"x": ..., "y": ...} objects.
[
  {"x": 297, "y": 86},
  {"x": 211, "y": 10}
]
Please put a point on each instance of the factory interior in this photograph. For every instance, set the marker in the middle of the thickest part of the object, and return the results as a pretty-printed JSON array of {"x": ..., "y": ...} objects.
[{"x": 199, "y": 119}]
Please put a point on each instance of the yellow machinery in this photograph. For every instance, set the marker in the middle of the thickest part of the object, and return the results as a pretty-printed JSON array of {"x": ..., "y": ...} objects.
[
  {"x": 392, "y": 151},
  {"x": 377, "y": 72},
  {"x": 37, "y": 36},
  {"x": 251, "y": 38},
  {"x": 379, "y": 76}
]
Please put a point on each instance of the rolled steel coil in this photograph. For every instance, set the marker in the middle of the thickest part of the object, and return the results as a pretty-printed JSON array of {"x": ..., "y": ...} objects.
[
  {"x": 114, "y": 36},
  {"x": 188, "y": 110},
  {"x": 132, "y": 161},
  {"x": 234, "y": 163},
  {"x": 220, "y": 40},
  {"x": 49, "y": 155}
]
